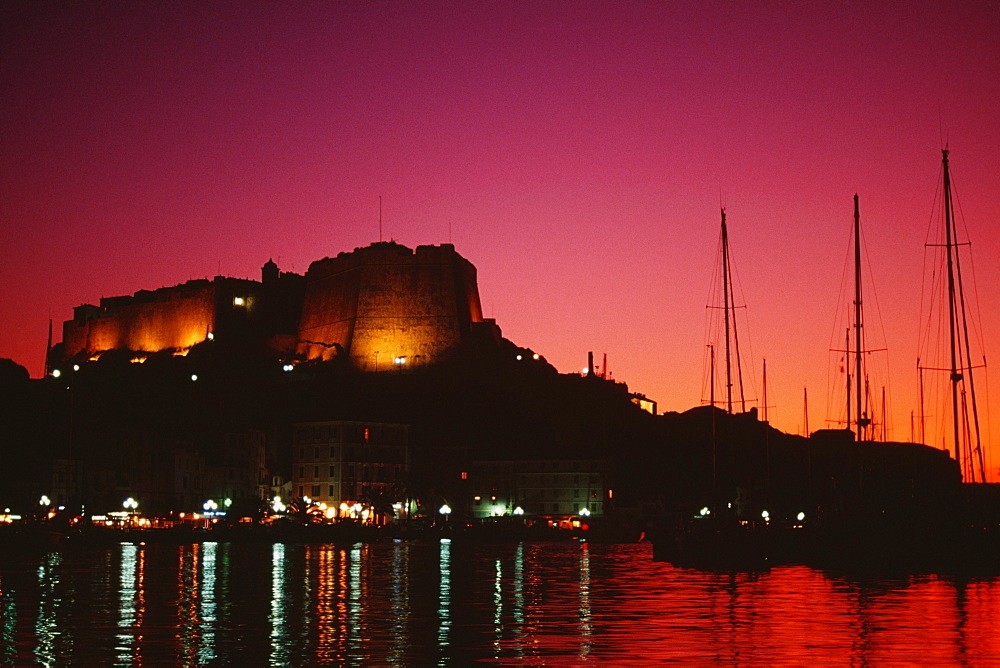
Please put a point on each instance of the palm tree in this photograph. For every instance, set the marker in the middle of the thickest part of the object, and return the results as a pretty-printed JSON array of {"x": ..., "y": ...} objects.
[
  {"x": 380, "y": 500},
  {"x": 304, "y": 511}
]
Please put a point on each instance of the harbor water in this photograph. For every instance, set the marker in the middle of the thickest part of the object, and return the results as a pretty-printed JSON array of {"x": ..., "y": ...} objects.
[{"x": 456, "y": 603}]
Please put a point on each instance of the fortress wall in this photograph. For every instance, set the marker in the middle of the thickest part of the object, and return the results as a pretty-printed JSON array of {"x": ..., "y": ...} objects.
[
  {"x": 329, "y": 307},
  {"x": 385, "y": 301},
  {"x": 180, "y": 321},
  {"x": 177, "y": 317}
]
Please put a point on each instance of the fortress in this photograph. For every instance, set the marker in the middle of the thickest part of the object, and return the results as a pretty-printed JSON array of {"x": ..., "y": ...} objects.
[{"x": 380, "y": 307}]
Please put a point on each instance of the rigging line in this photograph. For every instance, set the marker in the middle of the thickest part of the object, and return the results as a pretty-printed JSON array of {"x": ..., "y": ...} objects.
[
  {"x": 835, "y": 388},
  {"x": 977, "y": 321},
  {"x": 932, "y": 248},
  {"x": 884, "y": 340},
  {"x": 749, "y": 340},
  {"x": 966, "y": 357}
]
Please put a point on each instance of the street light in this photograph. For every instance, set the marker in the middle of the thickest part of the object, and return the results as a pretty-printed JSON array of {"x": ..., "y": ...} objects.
[
  {"x": 130, "y": 505},
  {"x": 277, "y": 505}
]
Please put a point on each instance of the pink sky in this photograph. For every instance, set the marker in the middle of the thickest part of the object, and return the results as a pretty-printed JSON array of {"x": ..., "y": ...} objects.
[{"x": 576, "y": 153}]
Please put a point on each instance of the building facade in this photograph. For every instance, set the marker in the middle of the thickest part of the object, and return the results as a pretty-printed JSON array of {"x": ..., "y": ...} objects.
[
  {"x": 387, "y": 307},
  {"x": 553, "y": 488},
  {"x": 343, "y": 464}
]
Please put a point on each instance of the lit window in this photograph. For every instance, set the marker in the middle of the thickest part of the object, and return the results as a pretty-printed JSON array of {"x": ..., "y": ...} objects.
[
  {"x": 238, "y": 301},
  {"x": 465, "y": 475}
]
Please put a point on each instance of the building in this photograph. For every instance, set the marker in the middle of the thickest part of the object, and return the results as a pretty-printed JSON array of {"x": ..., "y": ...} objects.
[
  {"x": 383, "y": 307},
  {"x": 557, "y": 489},
  {"x": 343, "y": 464},
  {"x": 387, "y": 307},
  {"x": 179, "y": 317}
]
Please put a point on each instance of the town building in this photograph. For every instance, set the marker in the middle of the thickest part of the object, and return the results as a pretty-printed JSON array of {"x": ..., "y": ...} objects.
[
  {"x": 556, "y": 489},
  {"x": 350, "y": 466}
]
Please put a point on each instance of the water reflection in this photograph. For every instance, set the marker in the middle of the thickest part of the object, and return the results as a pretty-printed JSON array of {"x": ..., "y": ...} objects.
[
  {"x": 586, "y": 630},
  {"x": 207, "y": 607},
  {"x": 46, "y": 627},
  {"x": 130, "y": 604},
  {"x": 447, "y": 603},
  {"x": 444, "y": 601},
  {"x": 279, "y": 633}
]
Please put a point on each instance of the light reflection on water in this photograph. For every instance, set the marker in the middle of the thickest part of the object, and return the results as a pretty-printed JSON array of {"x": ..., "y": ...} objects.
[{"x": 450, "y": 603}]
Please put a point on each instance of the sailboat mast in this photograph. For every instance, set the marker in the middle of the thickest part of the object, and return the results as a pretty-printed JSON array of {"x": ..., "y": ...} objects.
[
  {"x": 765, "y": 389},
  {"x": 959, "y": 345},
  {"x": 711, "y": 375},
  {"x": 805, "y": 410},
  {"x": 725, "y": 301},
  {"x": 847, "y": 367},
  {"x": 956, "y": 374},
  {"x": 857, "y": 320}
]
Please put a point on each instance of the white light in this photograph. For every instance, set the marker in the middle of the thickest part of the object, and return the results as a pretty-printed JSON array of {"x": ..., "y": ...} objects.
[
  {"x": 519, "y": 510},
  {"x": 237, "y": 301},
  {"x": 211, "y": 336},
  {"x": 44, "y": 501},
  {"x": 535, "y": 356},
  {"x": 800, "y": 516},
  {"x": 306, "y": 500},
  {"x": 584, "y": 512},
  {"x": 584, "y": 371},
  {"x": 56, "y": 373},
  {"x": 445, "y": 509},
  {"x": 704, "y": 511},
  {"x": 76, "y": 367},
  {"x": 399, "y": 360},
  {"x": 130, "y": 503},
  {"x": 766, "y": 515},
  {"x": 518, "y": 358},
  {"x": 288, "y": 367},
  {"x": 210, "y": 505},
  {"x": 194, "y": 377}
]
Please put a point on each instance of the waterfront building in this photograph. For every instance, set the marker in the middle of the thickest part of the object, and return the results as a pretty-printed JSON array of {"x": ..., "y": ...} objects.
[
  {"x": 556, "y": 489},
  {"x": 344, "y": 464}
]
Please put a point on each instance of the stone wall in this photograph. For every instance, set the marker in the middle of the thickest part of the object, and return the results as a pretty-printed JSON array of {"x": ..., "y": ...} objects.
[
  {"x": 385, "y": 303},
  {"x": 169, "y": 318}
]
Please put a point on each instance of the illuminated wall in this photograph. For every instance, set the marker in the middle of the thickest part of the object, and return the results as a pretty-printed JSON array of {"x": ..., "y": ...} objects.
[
  {"x": 169, "y": 318},
  {"x": 387, "y": 306},
  {"x": 384, "y": 306}
]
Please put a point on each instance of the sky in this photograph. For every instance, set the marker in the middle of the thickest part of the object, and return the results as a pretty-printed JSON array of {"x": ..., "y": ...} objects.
[{"x": 577, "y": 153}]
